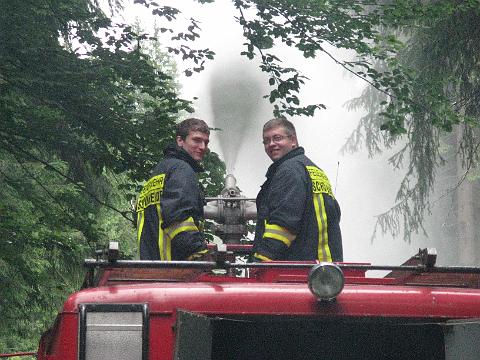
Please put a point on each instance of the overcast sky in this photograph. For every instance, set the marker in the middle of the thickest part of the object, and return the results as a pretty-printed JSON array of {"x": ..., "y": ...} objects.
[{"x": 229, "y": 96}]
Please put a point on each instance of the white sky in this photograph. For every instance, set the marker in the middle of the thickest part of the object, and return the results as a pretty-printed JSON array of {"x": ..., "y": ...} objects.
[{"x": 364, "y": 187}]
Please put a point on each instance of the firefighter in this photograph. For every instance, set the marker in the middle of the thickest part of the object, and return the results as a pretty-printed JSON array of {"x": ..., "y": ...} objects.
[
  {"x": 170, "y": 205},
  {"x": 297, "y": 214}
]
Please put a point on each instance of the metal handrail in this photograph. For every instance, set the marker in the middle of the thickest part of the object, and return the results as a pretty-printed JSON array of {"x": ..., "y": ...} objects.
[
  {"x": 92, "y": 263},
  {"x": 25, "y": 353}
]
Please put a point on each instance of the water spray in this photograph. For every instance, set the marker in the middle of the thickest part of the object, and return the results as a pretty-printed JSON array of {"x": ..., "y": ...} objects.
[{"x": 236, "y": 98}]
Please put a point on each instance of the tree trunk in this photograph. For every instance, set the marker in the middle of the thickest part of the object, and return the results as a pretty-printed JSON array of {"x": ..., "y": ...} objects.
[{"x": 466, "y": 224}]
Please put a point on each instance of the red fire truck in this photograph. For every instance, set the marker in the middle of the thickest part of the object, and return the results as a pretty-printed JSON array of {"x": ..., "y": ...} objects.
[{"x": 230, "y": 309}]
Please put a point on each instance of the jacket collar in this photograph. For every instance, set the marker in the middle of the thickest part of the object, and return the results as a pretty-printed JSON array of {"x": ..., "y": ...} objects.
[
  {"x": 174, "y": 151},
  {"x": 295, "y": 152}
]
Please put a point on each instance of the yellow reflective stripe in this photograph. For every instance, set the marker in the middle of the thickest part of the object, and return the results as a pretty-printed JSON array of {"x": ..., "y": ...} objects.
[
  {"x": 279, "y": 237},
  {"x": 168, "y": 240},
  {"x": 163, "y": 248},
  {"x": 140, "y": 222},
  {"x": 261, "y": 257},
  {"x": 280, "y": 230},
  {"x": 277, "y": 232},
  {"x": 197, "y": 255},
  {"x": 325, "y": 246},
  {"x": 321, "y": 185},
  {"x": 321, "y": 215},
  {"x": 182, "y": 229},
  {"x": 182, "y": 226},
  {"x": 150, "y": 194},
  {"x": 201, "y": 252},
  {"x": 320, "y": 182}
]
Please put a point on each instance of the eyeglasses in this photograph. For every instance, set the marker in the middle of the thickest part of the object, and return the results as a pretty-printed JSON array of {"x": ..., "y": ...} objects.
[{"x": 276, "y": 139}]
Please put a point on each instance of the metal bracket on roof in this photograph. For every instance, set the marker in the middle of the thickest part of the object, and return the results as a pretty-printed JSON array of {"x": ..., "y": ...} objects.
[
  {"x": 427, "y": 257},
  {"x": 113, "y": 252}
]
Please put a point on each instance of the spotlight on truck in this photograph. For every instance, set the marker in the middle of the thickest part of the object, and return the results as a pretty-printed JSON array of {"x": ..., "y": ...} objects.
[{"x": 326, "y": 280}]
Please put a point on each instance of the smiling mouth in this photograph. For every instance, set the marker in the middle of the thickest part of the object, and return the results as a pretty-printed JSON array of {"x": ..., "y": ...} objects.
[{"x": 274, "y": 154}]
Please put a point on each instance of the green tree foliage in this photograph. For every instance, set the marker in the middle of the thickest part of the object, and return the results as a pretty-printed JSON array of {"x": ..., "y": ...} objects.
[
  {"x": 441, "y": 49},
  {"x": 84, "y": 116},
  {"x": 313, "y": 27}
]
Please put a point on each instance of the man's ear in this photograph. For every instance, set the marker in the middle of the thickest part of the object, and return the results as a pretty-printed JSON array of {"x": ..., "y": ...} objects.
[
  {"x": 179, "y": 141},
  {"x": 295, "y": 142}
]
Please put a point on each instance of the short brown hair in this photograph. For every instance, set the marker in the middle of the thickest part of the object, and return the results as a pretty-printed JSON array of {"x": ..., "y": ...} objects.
[
  {"x": 191, "y": 124},
  {"x": 283, "y": 122}
]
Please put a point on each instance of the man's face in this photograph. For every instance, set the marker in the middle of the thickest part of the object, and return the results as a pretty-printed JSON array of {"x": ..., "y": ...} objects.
[
  {"x": 196, "y": 144},
  {"x": 277, "y": 143}
]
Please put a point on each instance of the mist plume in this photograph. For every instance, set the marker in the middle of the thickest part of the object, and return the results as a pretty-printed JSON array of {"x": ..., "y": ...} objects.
[{"x": 235, "y": 99}]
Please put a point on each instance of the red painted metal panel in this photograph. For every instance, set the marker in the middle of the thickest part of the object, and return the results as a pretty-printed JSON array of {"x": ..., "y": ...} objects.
[
  {"x": 269, "y": 292},
  {"x": 288, "y": 298}
]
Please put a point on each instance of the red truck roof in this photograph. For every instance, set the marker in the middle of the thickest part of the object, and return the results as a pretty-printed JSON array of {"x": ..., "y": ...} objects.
[
  {"x": 258, "y": 310},
  {"x": 284, "y": 290}
]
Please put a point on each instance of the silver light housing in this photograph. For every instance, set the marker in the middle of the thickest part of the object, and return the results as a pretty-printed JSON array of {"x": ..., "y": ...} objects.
[
  {"x": 113, "y": 331},
  {"x": 326, "y": 280}
]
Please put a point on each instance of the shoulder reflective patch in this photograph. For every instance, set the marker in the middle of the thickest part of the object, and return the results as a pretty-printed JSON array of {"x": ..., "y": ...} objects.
[
  {"x": 320, "y": 182},
  {"x": 151, "y": 191}
]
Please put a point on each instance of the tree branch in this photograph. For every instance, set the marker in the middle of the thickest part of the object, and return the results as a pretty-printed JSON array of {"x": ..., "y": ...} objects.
[{"x": 72, "y": 181}]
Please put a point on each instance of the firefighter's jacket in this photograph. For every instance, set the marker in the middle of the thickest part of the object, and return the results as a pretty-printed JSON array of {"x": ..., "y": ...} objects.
[
  {"x": 170, "y": 208},
  {"x": 297, "y": 215}
]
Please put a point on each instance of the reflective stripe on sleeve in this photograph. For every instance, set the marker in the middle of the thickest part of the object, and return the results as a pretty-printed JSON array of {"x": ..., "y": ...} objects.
[
  {"x": 197, "y": 255},
  {"x": 280, "y": 233},
  {"x": 261, "y": 257},
  {"x": 179, "y": 227}
]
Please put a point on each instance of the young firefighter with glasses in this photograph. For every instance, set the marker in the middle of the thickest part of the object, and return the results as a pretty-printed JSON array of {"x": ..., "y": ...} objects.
[
  {"x": 297, "y": 215},
  {"x": 170, "y": 205}
]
